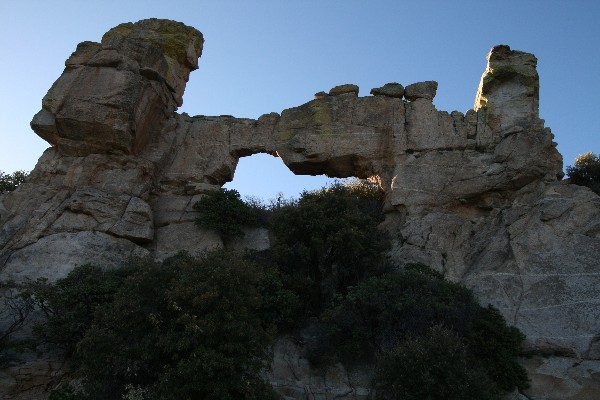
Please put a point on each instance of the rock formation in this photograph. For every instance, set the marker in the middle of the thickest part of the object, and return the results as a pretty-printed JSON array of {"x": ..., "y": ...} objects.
[{"x": 477, "y": 196}]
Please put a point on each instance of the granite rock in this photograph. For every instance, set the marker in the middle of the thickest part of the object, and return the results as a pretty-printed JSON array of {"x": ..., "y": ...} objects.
[
  {"x": 421, "y": 90},
  {"x": 476, "y": 195},
  {"x": 389, "y": 89},
  {"x": 343, "y": 89}
]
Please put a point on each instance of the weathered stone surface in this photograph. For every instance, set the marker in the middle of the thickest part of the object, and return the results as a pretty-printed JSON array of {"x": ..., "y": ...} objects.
[
  {"x": 320, "y": 95},
  {"x": 421, "y": 90},
  {"x": 136, "y": 222},
  {"x": 30, "y": 380},
  {"x": 55, "y": 255},
  {"x": 510, "y": 85},
  {"x": 521, "y": 259},
  {"x": 343, "y": 89},
  {"x": 562, "y": 378},
  {"x": 476, "y": 195},
  {"x": 293, "y": 378},
  {"x": 113, "y": 95},
  {"x": 254, "y": 239},
  {"x": 340, "y": 136},
  {"x": 173, "y": 238},
  {"x": 392, "y": 89}
]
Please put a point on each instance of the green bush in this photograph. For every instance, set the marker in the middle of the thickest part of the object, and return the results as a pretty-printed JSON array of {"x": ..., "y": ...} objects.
[
  {"x": 378, "y": 313},
  {"x": 436, "y": 366},
  {"x": 70, "y": 303},
  {"x": 184, "y": 328},
  {"x": 9, "y": 182},
  {"x": 328, "y": 240},
  {"x": 497, "y": 346},
  {"x": 586, "y": 171},
  {"x": 388, "y": 315},
  {"x": 224, "y": 212}
]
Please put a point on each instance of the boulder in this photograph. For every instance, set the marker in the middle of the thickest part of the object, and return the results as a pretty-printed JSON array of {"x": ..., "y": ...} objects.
[
  {"x": 421, "y": 90},
  {"x": 343, "y": 89},
  {"x": 389, "y": 89},
  {"x": 114, "y": 94}
]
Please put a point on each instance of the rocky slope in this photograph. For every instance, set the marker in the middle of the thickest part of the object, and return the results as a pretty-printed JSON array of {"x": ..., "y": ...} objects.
[{"x": 477, "y": 196}]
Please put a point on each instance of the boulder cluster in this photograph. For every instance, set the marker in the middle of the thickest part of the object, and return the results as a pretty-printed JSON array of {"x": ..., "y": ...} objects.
[{"x": 419, "y": 90}]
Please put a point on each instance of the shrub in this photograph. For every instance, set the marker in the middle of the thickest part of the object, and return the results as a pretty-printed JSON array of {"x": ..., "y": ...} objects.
[
  {"x": 9, "y": 182},
  {"x": 224, "y": 212},
  {"x": 327, "y": 241},
  {"x": 70, "y": 303},
  {"x": 586, "y": 171},
  {"x": 14, "y": 311},
  {"x": 497, "y": 346},
  {"x": 184, "y": 328},
  {"x": 436, "y": 366},
  {"x": 382, "y": 311},
  {"x": 390, "y": 316}
]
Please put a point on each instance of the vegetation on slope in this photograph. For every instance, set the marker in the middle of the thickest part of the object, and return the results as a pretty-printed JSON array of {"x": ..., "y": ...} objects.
[{"x": 188, "y": 328}]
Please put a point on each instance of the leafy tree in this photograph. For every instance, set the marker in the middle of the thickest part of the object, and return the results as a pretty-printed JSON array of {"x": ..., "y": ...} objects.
[
  {"x": 9, "y": 182},
  {"x": 328, "y": 240},
  {"x": 586, "y": 171},
  {"x": 226, "y": 213}
]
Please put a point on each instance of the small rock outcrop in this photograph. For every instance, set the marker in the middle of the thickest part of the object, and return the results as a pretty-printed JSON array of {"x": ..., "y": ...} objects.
[
  {"x": 343, "y": 89},
  {"x": 477, "y": 195},
  {"x": 389, "y": 89},
  {"x": 421, "y": 90}
]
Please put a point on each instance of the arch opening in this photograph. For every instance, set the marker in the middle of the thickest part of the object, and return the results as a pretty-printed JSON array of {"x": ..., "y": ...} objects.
[{"x": 266, "y": 177}]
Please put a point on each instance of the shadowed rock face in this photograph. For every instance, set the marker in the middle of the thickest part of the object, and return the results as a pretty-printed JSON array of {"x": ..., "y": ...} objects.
[
  {"x": 477, "y": 195},
  {"x": 114, "y": 94}
]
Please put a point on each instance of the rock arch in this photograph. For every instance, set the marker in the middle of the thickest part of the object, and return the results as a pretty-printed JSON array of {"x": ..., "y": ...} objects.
[{"x": 476, "y": 195}]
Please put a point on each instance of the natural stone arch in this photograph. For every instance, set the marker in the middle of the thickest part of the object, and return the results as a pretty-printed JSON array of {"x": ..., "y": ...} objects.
[{"x": 475, "y": 195}]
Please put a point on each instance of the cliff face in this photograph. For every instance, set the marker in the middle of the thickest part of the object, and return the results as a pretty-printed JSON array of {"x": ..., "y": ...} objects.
[{"x": 477, "y": 195}]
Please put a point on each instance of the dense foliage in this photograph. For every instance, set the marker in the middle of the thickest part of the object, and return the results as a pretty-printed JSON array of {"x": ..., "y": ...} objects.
[
  {"x": 70, "y": 303},
  {"x": 391, "y": 318},
  {"x": 180, "y": 329},
  {"x": 434, "y": 365},
  {"x": 224, "y": 212},
  {"x": 586, "y": 171},
  {"x": 328, "y": 240},
  {"x": 9, "y": 182},
  {"x": 201, "y": 328},
  {"x": 14, "y": 313}
]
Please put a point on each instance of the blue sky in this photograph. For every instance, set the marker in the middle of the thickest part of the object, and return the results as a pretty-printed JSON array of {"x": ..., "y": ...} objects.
[{"x": 264, "y": 56}]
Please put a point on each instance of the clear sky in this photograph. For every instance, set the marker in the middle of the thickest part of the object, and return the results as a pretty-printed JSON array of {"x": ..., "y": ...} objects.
[{"x": 264, "y": 56}]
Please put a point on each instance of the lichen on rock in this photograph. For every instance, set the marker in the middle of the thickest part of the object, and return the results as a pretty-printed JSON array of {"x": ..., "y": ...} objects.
[{"x": 176, "y": 40}]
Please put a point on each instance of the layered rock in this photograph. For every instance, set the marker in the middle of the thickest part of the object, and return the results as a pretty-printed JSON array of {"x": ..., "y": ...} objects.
[{"x": 476, "y": 195}]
